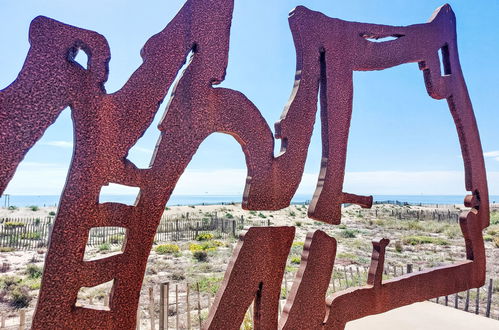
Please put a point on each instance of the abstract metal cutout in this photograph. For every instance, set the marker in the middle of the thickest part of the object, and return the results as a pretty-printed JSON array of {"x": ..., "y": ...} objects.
[{"x": 106, "y": 126}]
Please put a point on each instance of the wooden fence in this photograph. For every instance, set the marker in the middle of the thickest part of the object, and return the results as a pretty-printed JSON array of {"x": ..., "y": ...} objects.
[
  {"x": 25, "y": 233},
  {"x": 450, "y": 215},
  {"x": 33, "y": 233},
  {"x": 185, "y": 305}
]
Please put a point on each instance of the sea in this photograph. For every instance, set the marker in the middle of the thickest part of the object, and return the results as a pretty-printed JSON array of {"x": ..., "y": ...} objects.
[{"x": 53, "y": 200}]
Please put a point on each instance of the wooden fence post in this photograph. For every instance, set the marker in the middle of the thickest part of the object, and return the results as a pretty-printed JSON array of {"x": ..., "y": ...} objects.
[
  {"x": 151, "y": 307},
  {"x": 22, "y": 319},
  {"x": 467, "y": 302},
  {"x": 199, "y": 304},
  {"x": 489, "y": 298},
  {"x": 188, "y": 307},
  {"x": 176, "y": 306},
  {"x": 346, "y": 278},
  {"x": 49, "y": 234},
  {"x": 177, "y": 230},
  {"x": 162, "y": 307},
  {"x": 477, "y": 301}
]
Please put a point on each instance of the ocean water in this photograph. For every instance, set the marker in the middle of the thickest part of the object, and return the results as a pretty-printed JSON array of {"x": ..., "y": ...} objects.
[{"x": 53, "y": 200}]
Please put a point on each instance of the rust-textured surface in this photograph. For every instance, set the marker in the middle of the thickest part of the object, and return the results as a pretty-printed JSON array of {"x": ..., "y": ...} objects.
[
  {"x": 254, "y": 274},
  {"x": 106, "y": 126},
  {"x": 305, "y": 307}
]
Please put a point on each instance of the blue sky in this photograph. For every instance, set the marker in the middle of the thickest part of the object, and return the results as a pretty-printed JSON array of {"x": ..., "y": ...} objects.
[{"x": 401, "y": 140}]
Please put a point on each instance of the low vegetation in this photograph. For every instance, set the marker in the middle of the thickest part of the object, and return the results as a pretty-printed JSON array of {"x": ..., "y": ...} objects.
[
  {"x": 167, "y": 249},
  {"x": 417, "y": 240}
]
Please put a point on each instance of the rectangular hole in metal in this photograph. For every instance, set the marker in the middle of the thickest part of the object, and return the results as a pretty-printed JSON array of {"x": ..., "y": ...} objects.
[
  {"x": 118, "y": 193},
  {"x": 443, "y": 55},
  {"x": 95, "y": 297},
  {"x": 376, "y": 38},
  {"x": 104, "y": 242}
]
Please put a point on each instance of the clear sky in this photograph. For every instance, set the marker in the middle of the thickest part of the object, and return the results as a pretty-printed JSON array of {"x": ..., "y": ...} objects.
[{"x": 401, "y": 140}]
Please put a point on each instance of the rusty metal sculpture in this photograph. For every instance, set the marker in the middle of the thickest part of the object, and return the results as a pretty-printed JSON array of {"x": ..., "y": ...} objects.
[{"x": 108, "y": 125}]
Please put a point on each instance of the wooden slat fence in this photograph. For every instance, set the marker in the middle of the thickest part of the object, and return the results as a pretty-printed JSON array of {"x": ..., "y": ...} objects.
[
  {"x": 33, "y": 233},
  {"x": 451, "y": 215},
  {"x": 184, "y": 306}
]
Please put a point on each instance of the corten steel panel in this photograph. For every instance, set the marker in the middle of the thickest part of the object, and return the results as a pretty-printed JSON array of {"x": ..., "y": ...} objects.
[{"x": 106, "y": 126}]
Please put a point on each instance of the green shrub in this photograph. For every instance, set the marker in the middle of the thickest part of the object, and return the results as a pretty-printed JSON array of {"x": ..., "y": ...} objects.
[
  {"x": 398, "y": 246},
  {"x": 494, "y": 218},
  {"x": 415, "y": 225},
  {"x": 33, "y": 208},
  {"x": 349, "y": 233},
  {"x": 8, "y": 282},
  {"x": 261, "y": 215},
  {"x": 208, "y": 284},
  {"x": 297, "y": 247},
  {"x": 252, "y": 212},
  {"x": 347, "y": 255},
  {"x": 295, "y": 260},
  {"x": 177, "y": 276},
  {"x": 247, "y": 321},
  {"x": 298, "y": 223},
  {"x": 20, "y": 297},
  {"x": 52, "y": 213},
  {"x": 33, "y": 235},
  {"x": 116, "y": 239},
  {"x": 342, "y": 226},
  {"x": 167, "y": 249},
  {"x": 229, "y": 216},
  {"x": 13, "y": 224},
  {"x": 32, "y": 283},
  {"x": 34, "y": 271},
  {"x": 292, "y": 214},
  {"x": 200, "y": 256},
  {"x": 167, "y": 208},
  {"x": 104, "y": 247},
  {"x": 496, "y": 242},
  {"x": 417, "y": 240},
  {"x": 13, "y": 208},
  {"x": 205, "y": 246},
  {"x": 204, "y": 237},
  {"x": 284, "y": 293},
  {"x": 298, "y": 244},
  {"x": 453, "y": 232}
]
